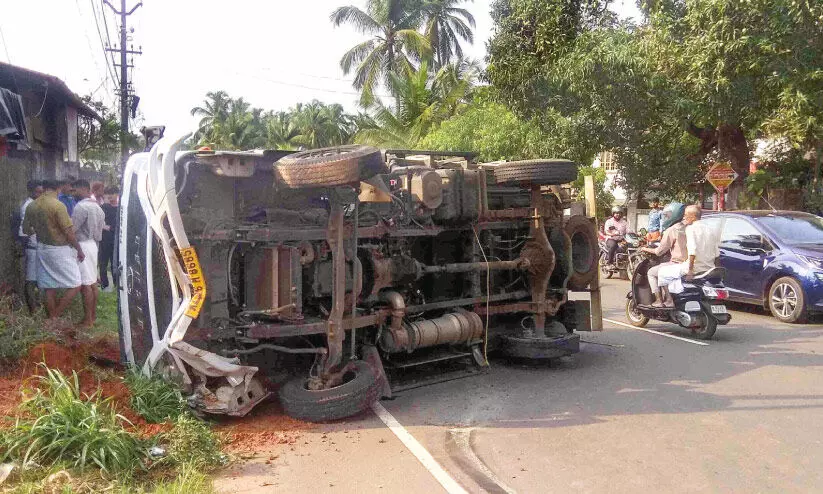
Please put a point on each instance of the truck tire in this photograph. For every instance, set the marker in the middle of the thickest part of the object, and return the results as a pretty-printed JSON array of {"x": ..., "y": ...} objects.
[
  {"x": 350, "y": 398},
  {"x": 329, "y": 167},
  {"x": 582, "y": 233},
  {"x": 547, "y": 348},
  {"x": 536, "y": 172}
]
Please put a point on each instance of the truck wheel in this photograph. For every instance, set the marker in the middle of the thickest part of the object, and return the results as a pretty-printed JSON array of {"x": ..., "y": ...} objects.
[
  {"x": 540, "y": 348},
  {"x": 536, "y": 172},
  {"x": 328, "y": 167},
  {"x": 356, "y": 394},
  {"x": 786, "y": 300},
  {"x": 584, "y": 251}
]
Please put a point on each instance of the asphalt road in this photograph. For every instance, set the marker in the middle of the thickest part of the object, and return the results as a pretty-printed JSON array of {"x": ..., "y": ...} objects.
[{"x": 632, "y": 412}]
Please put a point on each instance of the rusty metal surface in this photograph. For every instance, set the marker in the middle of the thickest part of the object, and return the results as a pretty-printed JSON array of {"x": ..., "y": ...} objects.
[{"x": 498, "y": 214}]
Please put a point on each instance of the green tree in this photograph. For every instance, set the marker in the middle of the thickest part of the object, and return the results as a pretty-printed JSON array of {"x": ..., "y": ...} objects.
[
  {"x": 394, "y": 44},
  {"x": 422, "y": 102},
  {"x": 98, "y": 141},
  {"x": 214, "y": 111},
  {"x": 445, "y": 26},
  {"x": 717, "y": 70},
  {"x": 490, "y": 129}
]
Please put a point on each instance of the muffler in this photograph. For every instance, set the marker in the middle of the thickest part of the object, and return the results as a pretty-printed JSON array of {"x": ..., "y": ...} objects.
[
  {"x": 683, "y": 318},
  {"x": 454, "y": 328}
]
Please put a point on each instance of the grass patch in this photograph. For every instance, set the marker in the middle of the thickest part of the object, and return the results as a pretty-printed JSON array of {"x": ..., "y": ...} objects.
[
  {"x": 154, "y": 398},
  {"x": 60, "y": 425},
  {"x": 19, "y": 331},
  {"x": 192, "y": 443}
]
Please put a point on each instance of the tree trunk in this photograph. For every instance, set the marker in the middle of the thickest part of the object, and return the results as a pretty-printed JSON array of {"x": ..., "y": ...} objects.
[{"x": 733, "y": 147}]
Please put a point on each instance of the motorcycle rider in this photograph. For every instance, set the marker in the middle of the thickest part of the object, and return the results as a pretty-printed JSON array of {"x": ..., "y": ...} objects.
[
  {"x": 703, "y": 247},
  {"x": 674, "y": 242},
  {"x": 615, "y": 229}
]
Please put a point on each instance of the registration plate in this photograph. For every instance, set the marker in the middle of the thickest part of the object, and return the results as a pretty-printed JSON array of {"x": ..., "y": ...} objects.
[
  {"x": 718, "y": 309},
  {"x": 198, "y": 282}
]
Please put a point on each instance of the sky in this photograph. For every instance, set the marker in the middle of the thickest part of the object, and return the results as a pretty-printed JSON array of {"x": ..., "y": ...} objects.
[{"x": 273, "y": 53}]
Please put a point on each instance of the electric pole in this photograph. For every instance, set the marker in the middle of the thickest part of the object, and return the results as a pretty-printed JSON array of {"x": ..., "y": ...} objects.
[{"x": 125, "y": 84}]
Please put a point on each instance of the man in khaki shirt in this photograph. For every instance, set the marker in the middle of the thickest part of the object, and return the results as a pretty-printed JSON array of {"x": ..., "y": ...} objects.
[{"x": 58, "y": 251}]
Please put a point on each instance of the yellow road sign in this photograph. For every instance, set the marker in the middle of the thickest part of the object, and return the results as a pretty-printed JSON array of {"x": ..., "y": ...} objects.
[{"x": 721, "y": 175}]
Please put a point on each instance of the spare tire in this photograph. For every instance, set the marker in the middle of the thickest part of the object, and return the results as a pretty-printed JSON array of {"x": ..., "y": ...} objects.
[
  {"x": 536, "y": 172},
  {"x": 329, "y": 167},
  {"x": 585, "y": 251},
  {"x": 356, "y": 394}
]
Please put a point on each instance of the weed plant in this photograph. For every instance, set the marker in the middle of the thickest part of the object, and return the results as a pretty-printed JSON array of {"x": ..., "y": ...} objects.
[
  {"x": 154, "y": 398},
  {"x": 61, "y": 425},
  {"x": 19, "y": 331}
]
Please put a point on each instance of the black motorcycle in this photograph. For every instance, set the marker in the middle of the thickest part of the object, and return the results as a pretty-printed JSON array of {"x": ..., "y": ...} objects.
[
  {"x": 623, "y": 258},
  {"x": 699, "y": 307}
]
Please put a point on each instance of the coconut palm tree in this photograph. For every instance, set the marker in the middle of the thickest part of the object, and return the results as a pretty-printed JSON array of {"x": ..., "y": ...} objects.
[
  {"x": 445, "y": 26},
  {"x": 280, "y": 131},
  {"x": 215, "y": 109},
  {"x": 394, "y": 44},
  {"x": 422, "y": 102}
]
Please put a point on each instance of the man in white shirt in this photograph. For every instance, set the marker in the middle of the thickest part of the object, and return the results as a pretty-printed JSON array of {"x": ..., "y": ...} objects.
[
  {"x": 703, "y": 248},
  {"x": 88, "y": 220}
]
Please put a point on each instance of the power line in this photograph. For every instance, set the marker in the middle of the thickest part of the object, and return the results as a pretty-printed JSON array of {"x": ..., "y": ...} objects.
[
  {"x": 292, "y": 84},
  {"x": 88, "y": 43},
  {"x": 109, "y": 69},
  {"x": 5, "y": 45}
]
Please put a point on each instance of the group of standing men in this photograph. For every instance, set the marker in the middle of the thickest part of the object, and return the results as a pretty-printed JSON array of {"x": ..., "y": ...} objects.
[{"x": 68, "y": 232}]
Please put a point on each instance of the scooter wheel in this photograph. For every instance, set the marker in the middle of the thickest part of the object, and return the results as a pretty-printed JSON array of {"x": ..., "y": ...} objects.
[
  {"x": 633, "y": 314},
  {"x": 707, "y": 328}
]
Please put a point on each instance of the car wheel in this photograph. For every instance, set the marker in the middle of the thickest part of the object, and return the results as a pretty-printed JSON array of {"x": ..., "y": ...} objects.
[{"x": 786, "y": 300}]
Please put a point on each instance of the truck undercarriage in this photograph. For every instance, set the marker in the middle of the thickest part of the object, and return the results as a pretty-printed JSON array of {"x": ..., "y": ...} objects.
[{"x": 323, "y": 268}]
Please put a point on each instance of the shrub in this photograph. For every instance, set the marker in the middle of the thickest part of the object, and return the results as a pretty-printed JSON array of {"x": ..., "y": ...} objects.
[
  {"x": 62, "y": 425},
  {"x": 154, "y": 398}
]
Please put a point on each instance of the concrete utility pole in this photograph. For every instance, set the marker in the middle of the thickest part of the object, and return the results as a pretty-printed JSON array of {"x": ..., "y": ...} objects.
[{"x": 125, "y": 84}]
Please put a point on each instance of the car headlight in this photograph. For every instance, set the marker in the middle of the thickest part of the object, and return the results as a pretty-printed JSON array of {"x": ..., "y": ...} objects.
[{"x": 812, "y": 262}]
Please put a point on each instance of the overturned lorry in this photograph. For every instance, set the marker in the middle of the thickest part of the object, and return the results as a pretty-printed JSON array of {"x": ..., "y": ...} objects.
[{"x": 314, "y": 272}]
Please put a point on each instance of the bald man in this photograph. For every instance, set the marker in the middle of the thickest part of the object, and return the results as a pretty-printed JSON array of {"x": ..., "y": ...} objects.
[{"x": 703, "y": 248}]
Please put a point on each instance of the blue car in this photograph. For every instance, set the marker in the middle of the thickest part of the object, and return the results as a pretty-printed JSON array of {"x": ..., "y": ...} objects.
[{"x": 773, "y": 259}]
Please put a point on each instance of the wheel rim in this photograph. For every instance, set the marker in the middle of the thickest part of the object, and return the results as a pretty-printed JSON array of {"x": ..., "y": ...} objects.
[
  {"x": 784, "y": 300},
  {"x": 633, "y": 313}
]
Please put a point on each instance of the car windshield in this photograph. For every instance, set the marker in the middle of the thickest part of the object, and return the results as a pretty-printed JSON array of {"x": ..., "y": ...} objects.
[{"x": 795, "y": 229}]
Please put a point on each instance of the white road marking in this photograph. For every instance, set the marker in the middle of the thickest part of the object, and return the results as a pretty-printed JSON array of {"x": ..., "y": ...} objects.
[
  {"x": 417, "y": 449},
  {"x": 667, "y": 335}
]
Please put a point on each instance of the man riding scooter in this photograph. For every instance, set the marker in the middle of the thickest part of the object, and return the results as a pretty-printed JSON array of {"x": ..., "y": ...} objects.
[
  {"x": 703, "y": 246},
  {"x": 674, "y": 243}
]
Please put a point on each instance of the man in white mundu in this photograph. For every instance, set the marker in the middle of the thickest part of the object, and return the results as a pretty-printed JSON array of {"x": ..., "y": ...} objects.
[{"x": 703, "y": 247}]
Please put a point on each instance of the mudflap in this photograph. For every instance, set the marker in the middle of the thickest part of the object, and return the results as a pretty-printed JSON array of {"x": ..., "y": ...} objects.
[{"x": 550, "y": 347}]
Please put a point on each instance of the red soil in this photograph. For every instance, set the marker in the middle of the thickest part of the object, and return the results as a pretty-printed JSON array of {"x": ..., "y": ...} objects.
[{"x": 265, "y": 428}]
